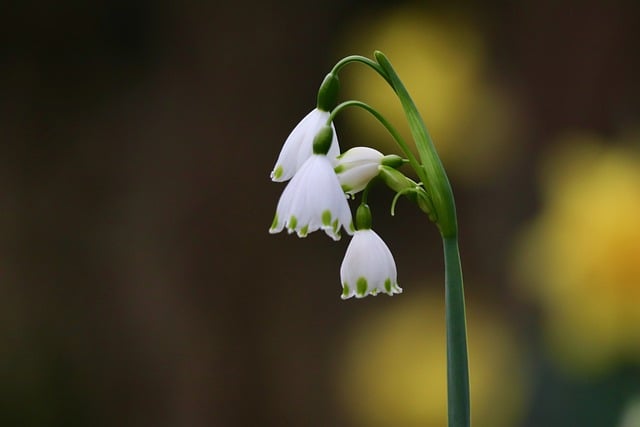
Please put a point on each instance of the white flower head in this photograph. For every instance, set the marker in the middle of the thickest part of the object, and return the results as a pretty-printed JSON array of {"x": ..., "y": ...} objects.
[
  {"x": 299, "y": 146},
  {"x": 368, "y": 267},
  {"x": 313, "y": 200},
  {"x": 356, "y": 167}
]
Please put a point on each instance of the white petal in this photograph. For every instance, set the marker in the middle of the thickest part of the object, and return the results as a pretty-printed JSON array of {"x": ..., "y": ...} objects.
[
  {"x": 358, "y": 155},
  {"x": 356, "y": 167},
  {"x": 299, "y": 146},
  {"x": 368, "y": 260},
  {"x": 313, "y": 200}
]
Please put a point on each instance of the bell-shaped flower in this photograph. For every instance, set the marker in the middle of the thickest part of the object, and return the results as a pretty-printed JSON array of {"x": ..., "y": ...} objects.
[
  {"x": 368, "y": 267},
  {"x": 313, "y": 200},
  {"x": 299, "y": 146}
]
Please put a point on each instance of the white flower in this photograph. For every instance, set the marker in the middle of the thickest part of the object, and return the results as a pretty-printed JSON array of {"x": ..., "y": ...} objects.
[
  {"x": 313, "y": 200},
  {"x": 299, "y": 146},
  {"x": 368, "y": 267},
  {"x": 356, "y": 167}
]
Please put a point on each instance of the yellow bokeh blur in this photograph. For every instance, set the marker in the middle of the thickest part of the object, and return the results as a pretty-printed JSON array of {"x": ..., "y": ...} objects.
[
  {"x": 580, "y": 257},
  {"x": 442, "y": 61},
  {"x": 394, "y": 370}
]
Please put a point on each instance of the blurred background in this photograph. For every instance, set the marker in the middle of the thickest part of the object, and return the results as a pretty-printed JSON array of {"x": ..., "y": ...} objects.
[{"x": 139, "y": 285}]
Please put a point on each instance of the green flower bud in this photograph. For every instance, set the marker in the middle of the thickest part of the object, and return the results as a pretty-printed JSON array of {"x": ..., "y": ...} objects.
[
  {"x": 395, "y": 179},
  {"x": 407, "y": 187},
  {"x": 393, "y": 161}
]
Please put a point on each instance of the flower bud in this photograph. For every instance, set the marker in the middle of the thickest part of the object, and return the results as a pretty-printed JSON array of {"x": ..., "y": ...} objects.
[
  {"x": 356, "y": 167},
  {"x": 395, "y": 179},
  {"x": 393, "y": 161}
]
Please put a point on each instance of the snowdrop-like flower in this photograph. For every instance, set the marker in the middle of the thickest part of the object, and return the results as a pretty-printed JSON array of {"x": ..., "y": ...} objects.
[
  {"x": 356, "y": 167},
  {"x": 299, "y": 146},
  {"x": 313, "y": 200},
  {"x": 368, "y": 267}
]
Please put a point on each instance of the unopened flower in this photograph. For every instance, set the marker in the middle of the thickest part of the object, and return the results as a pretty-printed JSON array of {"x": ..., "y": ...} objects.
[
  {"x": 368, "y": 267},
  {"x": 359, "y": 165},
  {"x": 299, "y": 146},
  {"x": 313, "y": 200},
  {"x": 356, "y": 167}
]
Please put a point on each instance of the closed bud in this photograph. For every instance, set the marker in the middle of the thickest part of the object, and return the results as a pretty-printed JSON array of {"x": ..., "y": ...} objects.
[
  {"x": 357, "y": 167},
  {"x": 395, "y": 179}
]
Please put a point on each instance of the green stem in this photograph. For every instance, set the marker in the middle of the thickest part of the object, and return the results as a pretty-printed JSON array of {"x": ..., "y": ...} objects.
[
  {"x": 437, "y": 184},
  {"x": 394, "y": 133},
  {"x": 432, "y": 173},
  {"x": 457, "y": 363},
  {"x": 362, "y": 60}
]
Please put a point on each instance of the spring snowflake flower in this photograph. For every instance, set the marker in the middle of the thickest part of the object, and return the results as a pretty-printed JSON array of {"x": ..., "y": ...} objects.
[
  {"x": 368, "y": 267},
  {"x": 313, "y": 200},
  {"x": 356, "y": 167},
  {"x": 359, "y": 165},
  {"x": 299, "y": 146}
]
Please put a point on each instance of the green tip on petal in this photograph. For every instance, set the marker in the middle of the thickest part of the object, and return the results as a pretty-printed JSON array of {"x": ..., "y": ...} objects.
[
  {"x": 338, "y": 168},
  {"x": 335, "y": 226},
  {"x": 361, "y": 286},
  {"x": 293, "y": 222},
  {"x": 304, "y": 231},
  {"x": 274, "y": 224},
  {"x": 345, "y": 290},
  {"x": 387, "y": 286},
  {"x": 277, "y": 173},
  {"x": 326, "y": 218}
]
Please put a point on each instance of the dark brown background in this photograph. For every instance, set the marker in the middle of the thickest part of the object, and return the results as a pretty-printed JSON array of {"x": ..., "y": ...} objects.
[{"x": 138, "y": 284}]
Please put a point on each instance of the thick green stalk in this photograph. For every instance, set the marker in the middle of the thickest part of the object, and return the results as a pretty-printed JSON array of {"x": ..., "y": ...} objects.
[
  {"x": 432, "y": 172},
  {"x": 437, "y": 184},
  {"x": 457, "y": 363}
]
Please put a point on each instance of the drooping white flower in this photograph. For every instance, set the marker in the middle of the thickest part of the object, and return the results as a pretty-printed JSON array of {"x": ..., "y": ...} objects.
[
  {"x": 356, "y": 167},
  {"x": 299, "y": 146},
  {"x": 368, "y": 267},
  {"x": 313, "y": 200}
]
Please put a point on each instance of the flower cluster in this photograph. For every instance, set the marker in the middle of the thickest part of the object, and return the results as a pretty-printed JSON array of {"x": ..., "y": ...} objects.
[
  {"x": 316, "y": 198},
  {"x": 322, "y": 180}
]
